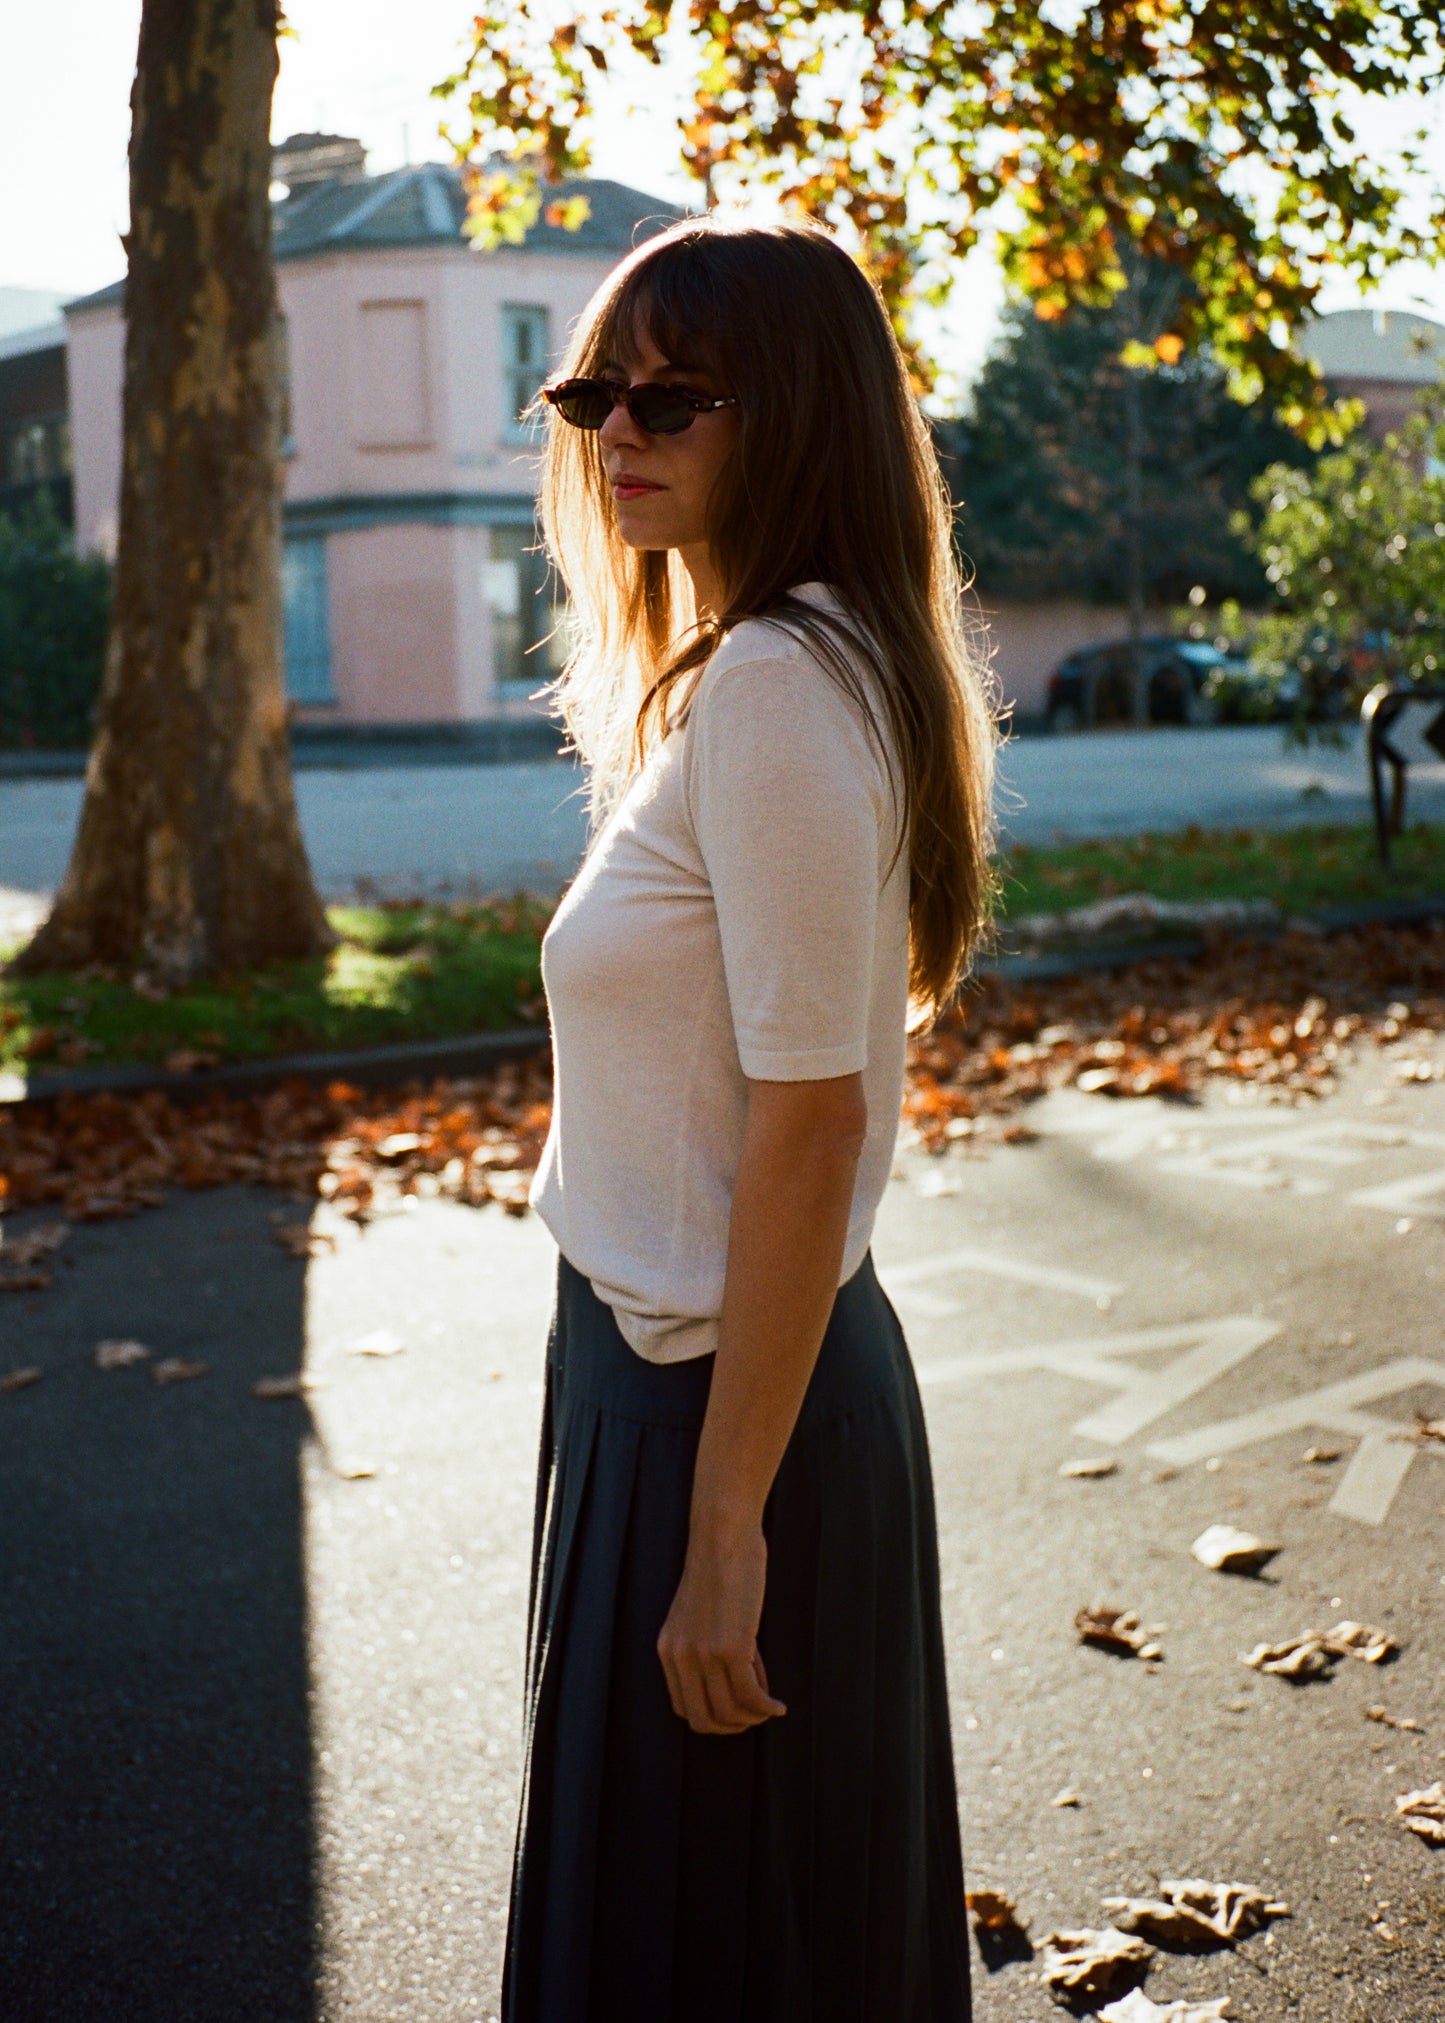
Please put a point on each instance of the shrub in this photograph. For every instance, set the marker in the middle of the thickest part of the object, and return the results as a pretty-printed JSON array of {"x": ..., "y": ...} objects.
[{"x": 54, "y": 608}]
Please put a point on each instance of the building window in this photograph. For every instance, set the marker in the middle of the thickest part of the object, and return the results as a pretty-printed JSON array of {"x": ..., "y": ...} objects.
[
  {"x": 307, "y": 606},
  {"x": 528, "y": 613},
  {"x": 34, "y": 450},
  {"x": 390, "y": 393},
  {"x": 524, "y": 363}
]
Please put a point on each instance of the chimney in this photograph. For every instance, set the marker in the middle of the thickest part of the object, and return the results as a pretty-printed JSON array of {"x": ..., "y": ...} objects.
[{"x": 307, "y": 158}]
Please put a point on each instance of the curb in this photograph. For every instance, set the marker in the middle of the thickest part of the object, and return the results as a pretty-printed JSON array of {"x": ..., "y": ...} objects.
[
  {"x": 1055, "y": 965},
  {"x": 368, "y": 1067},
  {"x": 499, "y": 741},
  {"x": 407, "y": 1060}
]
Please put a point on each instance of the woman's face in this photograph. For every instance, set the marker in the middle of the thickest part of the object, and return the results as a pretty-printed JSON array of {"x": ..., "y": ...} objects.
[{"x": 661, "y": 484}]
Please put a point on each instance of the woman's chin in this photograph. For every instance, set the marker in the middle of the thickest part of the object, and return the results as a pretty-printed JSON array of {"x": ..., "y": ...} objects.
[{"x": 637, "y": 528}]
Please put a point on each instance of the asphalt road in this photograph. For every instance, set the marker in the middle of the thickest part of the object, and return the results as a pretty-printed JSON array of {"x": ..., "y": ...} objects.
[
  {"x": 261, "y": 1724},
  {"x": 504, "y": 827}
]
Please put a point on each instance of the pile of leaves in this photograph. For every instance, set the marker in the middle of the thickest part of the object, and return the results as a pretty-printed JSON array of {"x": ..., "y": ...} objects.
[
  {"x": 98, "y": 1157},
  {"x": 1280, "y": 1015}
]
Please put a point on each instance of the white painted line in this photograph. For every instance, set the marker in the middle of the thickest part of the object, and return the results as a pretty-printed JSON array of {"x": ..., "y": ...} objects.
[
  {"x": 1386, "y": 1450},
  {"x": 1254, "y": 1162},
  {"x": 1407, "y": 1197},
  {"x": 1334, "y": 1408},
  {"x": 1053, "y": 1278},
  {"x": 1265, "y": 1178},
  {"x": 1380, "y": 1464},
  {"x": 1211, "y": 1348},
  {"x": 1218, "y": 1346}
]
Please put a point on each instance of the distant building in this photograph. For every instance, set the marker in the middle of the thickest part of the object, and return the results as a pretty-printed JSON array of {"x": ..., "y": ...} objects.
[
  {"x": 1383, "y": 357},
  {"x": 34, "y": 424},
  {"x": 410, "y": 573}
]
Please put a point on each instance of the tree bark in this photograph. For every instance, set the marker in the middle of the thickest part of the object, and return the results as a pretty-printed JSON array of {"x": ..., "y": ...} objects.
[{"x": 189, "y": 857}]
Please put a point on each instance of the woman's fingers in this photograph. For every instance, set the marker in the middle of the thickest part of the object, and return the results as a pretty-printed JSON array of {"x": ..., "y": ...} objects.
[
  {"x": 674, "y": 1684},
  {"x": 718, "y": 1695},
  {"x": 749, "y": 1694}
]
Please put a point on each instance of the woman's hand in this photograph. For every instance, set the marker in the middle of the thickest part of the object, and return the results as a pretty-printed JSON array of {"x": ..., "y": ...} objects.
[{"x": 709, "y": 1643}]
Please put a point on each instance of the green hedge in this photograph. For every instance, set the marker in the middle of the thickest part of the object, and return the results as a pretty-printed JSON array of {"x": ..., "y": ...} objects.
[{"x": 54, "y": 607}]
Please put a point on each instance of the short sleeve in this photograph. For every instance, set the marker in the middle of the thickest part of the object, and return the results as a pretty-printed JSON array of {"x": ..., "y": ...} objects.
[{"x": 787, "y": 797}]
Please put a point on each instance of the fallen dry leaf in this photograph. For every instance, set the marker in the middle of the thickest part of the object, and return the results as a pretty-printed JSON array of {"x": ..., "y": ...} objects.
[
  {"x": 1427, "y": 1430},
  {"x": 119, "y": 1355},
  {"x": 1313, "y": 1655},
  {"x": 1321, "y": 1457},
  {"x": 1424, "y": 1813},
  {"x": 280, "y": 1387},
  {"x": 1279, "y": 1015},
  {"x": 380, "y": 1342},
  {"x": 176, "y": 1370},
  {"x": 102, "y": 1156},
  {"x": 1092, "y": 1963},
  {"x": 24, "y": 1260},
  {"x": 1117, "y": 1630},
  {"x": 1194, "y": 1913},
  {"x": 992, "y": 1911},
  {"x": 354, "y": 1471},
  {"x": 1393, "y": 1720},
  {"x": 301, "y": 1240},
  {"x": 187, "y": 1060},
  {"x": 1091, "y": 1469},
  {"x": 1136, "y": 2007},
  {"x": 1362, "y": 1640},
  {"x": 20, "y": 1380},
  {"x": 1227, "y": 1550},
  {"x": 1068, "y": 1796}
]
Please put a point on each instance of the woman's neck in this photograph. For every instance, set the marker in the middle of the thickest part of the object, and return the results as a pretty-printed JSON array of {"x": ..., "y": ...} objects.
[{"x": 706, "y": 586}]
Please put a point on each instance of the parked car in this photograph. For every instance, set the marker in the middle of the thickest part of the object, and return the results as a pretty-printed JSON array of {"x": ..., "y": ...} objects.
[{"x": 1187, "y": 681}]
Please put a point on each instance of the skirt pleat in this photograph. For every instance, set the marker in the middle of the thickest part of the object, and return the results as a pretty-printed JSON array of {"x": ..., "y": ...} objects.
[{"x": 809, "y": 1870}]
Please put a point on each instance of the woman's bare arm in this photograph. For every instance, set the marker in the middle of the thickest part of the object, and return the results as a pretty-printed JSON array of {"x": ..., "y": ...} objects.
[{"x": 789, "y": 1224}]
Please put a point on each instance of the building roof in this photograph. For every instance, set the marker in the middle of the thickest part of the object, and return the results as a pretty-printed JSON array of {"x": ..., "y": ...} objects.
[
  {"x": 1389, "y": 345},
  {"x": 30, "y": 320},
  {"x": 425, "y": 206}
]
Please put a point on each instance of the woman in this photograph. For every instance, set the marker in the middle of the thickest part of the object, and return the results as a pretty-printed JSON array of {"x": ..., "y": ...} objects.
[{"x": 739, "y": 1799}]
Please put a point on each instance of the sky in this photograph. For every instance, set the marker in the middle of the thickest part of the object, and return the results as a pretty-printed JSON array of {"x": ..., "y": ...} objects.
[{"x": 362, "y": 67}]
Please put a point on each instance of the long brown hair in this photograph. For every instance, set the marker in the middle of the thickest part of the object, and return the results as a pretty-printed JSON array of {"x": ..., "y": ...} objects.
[{"x": 833, "y": 480}]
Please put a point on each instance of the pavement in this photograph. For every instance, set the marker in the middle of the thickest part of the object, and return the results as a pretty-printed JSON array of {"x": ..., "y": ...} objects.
[
  {"x": 261, "y": 1661},
  {"x": 503, "y": 827}
]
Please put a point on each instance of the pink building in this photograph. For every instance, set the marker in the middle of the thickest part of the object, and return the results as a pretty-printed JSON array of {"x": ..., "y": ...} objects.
[{"x": 413, "y": 592}]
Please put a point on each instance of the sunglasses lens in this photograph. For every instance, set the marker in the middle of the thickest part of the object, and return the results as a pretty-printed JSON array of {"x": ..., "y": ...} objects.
[
  {"x": 661, "y": 410},
  {"x": 585, "y": 403}
]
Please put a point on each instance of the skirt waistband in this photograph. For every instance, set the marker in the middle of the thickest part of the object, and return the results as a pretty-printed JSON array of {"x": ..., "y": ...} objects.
[{"x": 589, "y": 1357}]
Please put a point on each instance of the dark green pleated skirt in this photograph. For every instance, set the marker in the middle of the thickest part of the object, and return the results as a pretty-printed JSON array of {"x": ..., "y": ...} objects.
[{"x": 809, "y": 1870}]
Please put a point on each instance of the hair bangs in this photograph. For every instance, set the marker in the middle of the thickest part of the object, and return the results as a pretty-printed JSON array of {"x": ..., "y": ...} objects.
[{"x": 667, "y": 298}]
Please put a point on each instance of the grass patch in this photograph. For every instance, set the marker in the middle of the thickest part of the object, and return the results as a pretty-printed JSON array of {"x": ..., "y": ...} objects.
[
  {"x": 397, "y": 973},
  {"x": 1304, "y": 870},
  {"x": 437, "y": 972}
]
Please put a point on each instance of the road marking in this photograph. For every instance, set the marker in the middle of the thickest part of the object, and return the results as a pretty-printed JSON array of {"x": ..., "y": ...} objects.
[
  {"x": 1253, "y": 1161},
  {"x": 1211, "y": 1347},
  {"x": 1387, "y": 1446},
  {"x": 1407, "y": 1197},
  {"x": 1379, "y": 1465},
  {"x": 899, "y": 1280}
]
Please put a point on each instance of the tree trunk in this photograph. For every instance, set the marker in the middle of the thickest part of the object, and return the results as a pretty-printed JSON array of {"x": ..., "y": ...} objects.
[{"x": 189, "y": 857}]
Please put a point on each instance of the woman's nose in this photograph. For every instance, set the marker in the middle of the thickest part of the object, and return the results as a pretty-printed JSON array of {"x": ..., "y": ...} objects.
[{"x": 620, "y": 431}]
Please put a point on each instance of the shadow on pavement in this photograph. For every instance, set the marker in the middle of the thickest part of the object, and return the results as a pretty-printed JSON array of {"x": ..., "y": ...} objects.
[{"x": 155, "y": 1806}]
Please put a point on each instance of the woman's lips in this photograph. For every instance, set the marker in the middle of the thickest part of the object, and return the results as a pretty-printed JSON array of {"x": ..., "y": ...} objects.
[{"x": 633, "y": 488}]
